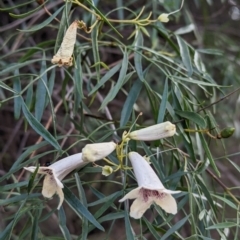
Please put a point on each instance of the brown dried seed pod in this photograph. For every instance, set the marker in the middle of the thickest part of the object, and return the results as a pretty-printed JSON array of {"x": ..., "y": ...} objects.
[{"x": 63, "y": 57}]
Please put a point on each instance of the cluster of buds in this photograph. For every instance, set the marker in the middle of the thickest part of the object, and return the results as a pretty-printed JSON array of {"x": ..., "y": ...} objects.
[{"x": 150, "y": 189}]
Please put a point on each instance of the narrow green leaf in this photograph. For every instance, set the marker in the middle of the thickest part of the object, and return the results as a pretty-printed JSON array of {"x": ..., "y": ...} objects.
[
  {"x": 128, "y": 229},
  {"x": 50, "y": 86},
  {"x": 222, "y": 225},
  {"x": 105, "y": 78},
  {"x": 208, "y": 153},
  {"x": 28, "y": 13},
  {"x": 39, "y": 128},
  {"x": 228, "y": 202},
  {"x": 13, "y": 185},
  {"x": 107, "y": 204},
  {"x": 95, "y": 48},
  {"x": 6, "y": 233},
  {"x": 112, "y": 94},
  {"x": 29, "y": 96},
  {"x": 35, "y": 228},
  {"x": 31, "y": 180},
  {"x": 131, "y": 99},
  {"x": 206, "y": 193},
  {"x": 174, "y": 228},
  {"x": 163, "y": 104},
  {"x": 17, "y": 100},
  {"x": 19, "y": 198},
  {"x": 112, "y": 216},
  {"x": 138, "y": 55},
  {"x": 82, "y": 197},
  {"x": 151, "y": 228},
  {"x": 192, "y": 116},
  {"x": 184, "y": 52},
  {"x": 26, "y": 153},
  {"x": 79, "y": 208},
  {"x": 38, "y": 48},
  {"x": 14, "y": 66},
  {"x": 5, "y": 86},
  {"x": 62, "y": 224},
  {"x": 78, "y": 77},
  {"x": 41, "y": 91},
  {"x": 45, "y": 23},
  {"x": 6, "y": 9}
]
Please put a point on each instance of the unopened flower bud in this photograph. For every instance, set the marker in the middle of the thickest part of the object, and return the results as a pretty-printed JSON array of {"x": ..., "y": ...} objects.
[
  {"x": 155, "y": 132},
  {"x": 107, "y": 170},
  {"x": 226, "y": 132},
  {"x": 96, "y": 151},
  {"x": 163, "y": 17}
]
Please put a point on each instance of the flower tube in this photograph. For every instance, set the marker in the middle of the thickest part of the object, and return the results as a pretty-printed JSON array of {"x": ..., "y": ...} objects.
[
  {"x": 150, "y": 189},
  {"x": 56, "y": 172},
  {"x": 154, "y": 132}
]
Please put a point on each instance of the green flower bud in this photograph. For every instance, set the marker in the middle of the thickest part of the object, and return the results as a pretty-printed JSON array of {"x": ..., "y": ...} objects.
[{"x": 227, "y": 132}]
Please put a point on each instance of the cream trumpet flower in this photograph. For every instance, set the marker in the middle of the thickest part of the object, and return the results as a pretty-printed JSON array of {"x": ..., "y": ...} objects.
[
  {"x": 56, "y": 172},
  {"x": 97, "y": 151},
  {"x": 154, "y": 132},
  {"x": 150, "y": 189},
  {"x": 64, "y": 53}
]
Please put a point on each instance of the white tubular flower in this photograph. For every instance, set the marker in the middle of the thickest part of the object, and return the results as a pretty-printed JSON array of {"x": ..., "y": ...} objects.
[
  {"x": 154, "y": 132},
  {"x": 150, "y": 189},
  {"x": 96, "y": 151},
  {"x": 64, "y": 53},
  {"x": 55, "y": 173}
]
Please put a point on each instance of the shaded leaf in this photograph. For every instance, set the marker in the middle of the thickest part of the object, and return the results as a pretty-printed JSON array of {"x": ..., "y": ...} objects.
[
  {"x": 222, "y": 225},
  {"x": 28, "y": 13},
  {"x": 39, "y": 128},
  {"x": 184, "y": 52},
  {"x": 192, "y": 116},
  {"x": 17, "y": 100},
  {"x": 79, "y": 208},
  {"x": 45, "y": 23}
]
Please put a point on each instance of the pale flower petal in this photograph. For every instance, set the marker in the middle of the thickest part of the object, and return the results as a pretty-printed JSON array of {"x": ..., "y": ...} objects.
[
  {"x": 49, "y": 186},
  {"x": 167, "y": 203},
  {"x": 96, "y": 151},
  {"x": 154, "y": 132},
  {"x": 138, "y": 208},
  {"x": 131, "y": 195}
]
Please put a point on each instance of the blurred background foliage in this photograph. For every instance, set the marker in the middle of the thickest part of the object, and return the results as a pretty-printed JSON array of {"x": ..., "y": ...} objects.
[{"x": 185, "y": 71}]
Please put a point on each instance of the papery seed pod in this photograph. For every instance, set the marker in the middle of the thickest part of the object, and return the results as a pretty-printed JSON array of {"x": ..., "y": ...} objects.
[
  {"x": 96, "y": 151},
  {"x": 226, "y": 132},
  {"x": 154, "y": 132},
  {"x": 63, "y": 57}
]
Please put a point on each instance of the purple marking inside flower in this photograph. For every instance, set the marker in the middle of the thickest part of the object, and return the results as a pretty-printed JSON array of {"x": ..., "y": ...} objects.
[{"x": 147, "y": 193}]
